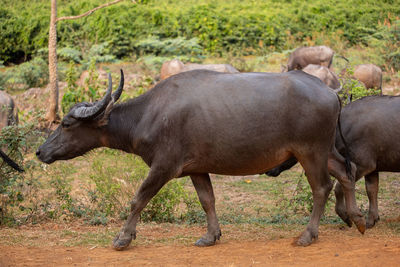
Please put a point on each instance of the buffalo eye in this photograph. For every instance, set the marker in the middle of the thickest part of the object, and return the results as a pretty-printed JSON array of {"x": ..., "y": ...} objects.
[{"x": 65, "y": 124}]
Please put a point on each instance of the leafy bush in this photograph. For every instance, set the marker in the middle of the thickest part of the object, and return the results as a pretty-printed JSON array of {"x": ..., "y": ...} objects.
[
  {"x": 187, "y": 50},
  {"x": 302, "y": 199},
  {"x": 75, "y": 94},
  {"x": 353, "y": 89},
  {"x": 164, "y": 207},
  {"x": 386, "y": 40},
  {"x": 69, "y": 54},
  {"x": 14, "y": 140},
  {"x": 98, "y": 53},
  {"x": 236, "y": 26},
  {"x": 4, "y": 77},
  {"x": 33, "y": 73},
  {"x": 114, "y": 184}
]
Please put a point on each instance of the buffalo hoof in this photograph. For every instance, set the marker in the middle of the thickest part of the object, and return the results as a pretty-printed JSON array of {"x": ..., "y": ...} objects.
[
  {"x": 120, "y": 242},
  {"x": 371, "y": 220},
  {"x": 307, "y": 238},
  {"x": 206, "y": 241},
  {"x": 359, "y": 221}
]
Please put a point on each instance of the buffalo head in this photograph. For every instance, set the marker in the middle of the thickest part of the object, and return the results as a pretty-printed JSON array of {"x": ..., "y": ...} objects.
[{"x": 82, "y": 129}]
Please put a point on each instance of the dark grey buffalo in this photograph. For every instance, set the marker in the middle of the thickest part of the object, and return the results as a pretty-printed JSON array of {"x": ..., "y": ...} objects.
[
  {"x": 200, "y": 122},
  {"x": 303, "y": 56},
  {"x": 370, "y": 75},
  {"x": 371, "y": 129},
  {"x": 327, "y": 76},
  {"x": 8, "y": 112},
  {"x": 176, "y": 66}
]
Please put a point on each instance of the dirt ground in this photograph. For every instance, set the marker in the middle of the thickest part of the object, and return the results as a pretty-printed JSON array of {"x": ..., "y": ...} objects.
[{"x": 336, "y": 246}]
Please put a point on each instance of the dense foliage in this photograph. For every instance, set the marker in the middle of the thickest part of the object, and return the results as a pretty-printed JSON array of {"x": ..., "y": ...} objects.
[{"x": 240, "y": 27}]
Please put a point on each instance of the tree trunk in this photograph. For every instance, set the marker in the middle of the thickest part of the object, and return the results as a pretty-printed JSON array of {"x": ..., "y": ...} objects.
[{"x": 52, "y": 112}]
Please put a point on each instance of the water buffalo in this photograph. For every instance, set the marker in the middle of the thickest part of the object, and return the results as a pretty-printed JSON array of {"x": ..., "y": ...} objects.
[
  {"x": 175, "y": 66},
  {"x": 327, "y": 76},
  {"x": 200, "y": 122},
  {"x": 369, "y": 74},
  {"x": 370, "y": 127},
  {"x": 170, "y": 68},
  {"x": 303, "y": 56},
  {"x": 8, "y": 111},
  {"x": 8, "y": 116}
]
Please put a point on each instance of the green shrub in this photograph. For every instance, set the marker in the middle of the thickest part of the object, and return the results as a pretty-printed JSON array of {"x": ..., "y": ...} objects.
[
  {"x": 302, "y": 199},
  {"x": 75, "y": 94},
  {"x": 98, "y": 53},
  {"x": 187, "y": 50},
  {"x": 354, "y": 89},
  {"x": 69, "y": 54},
  {"x": 386, "y": 41},
  {"x": 4, "y": 77},
  {"x": 106, "y": 194},
  {"x": 164, "y": 207},
  {"x": 33, "y": 73},
  {"x": 239, "y": 27},
  {"x": 14, "y": 140},
  {"x": 114, "y": 186}
]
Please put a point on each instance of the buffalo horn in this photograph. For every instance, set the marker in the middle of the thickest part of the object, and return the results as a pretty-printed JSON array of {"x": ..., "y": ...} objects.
[
  {"x": 86, "y": 113},
  {"x": 118, "y": 92}
]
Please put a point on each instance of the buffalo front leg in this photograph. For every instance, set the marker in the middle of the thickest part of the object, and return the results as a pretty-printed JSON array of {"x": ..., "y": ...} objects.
[
  {"x": 204, "y": 190},
  {"x": 321, "y": 185},
  {"x": 155, "y": 180},
  {"x": 372, "y": 186}
]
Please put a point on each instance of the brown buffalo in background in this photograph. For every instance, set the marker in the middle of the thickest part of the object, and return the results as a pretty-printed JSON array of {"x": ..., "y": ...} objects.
[
  {"x": 176, "y": 66},
  {"x": 8, "y": 111},
  {"x": 303, "y": 56},
  {"x": 8, "y": 116},
  {"x": 369, "y": 75},
  {"x": 327, "y": 76}
]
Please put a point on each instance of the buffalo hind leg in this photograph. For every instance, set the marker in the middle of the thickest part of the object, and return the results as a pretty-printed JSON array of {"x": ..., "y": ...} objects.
[
  {"x": 372, "y": 186},
  {"x": 337, "y": 168},
  {"x": 155, "y": 180},
  {"x": 204, "y": 190},
  {"x": 340, "y": 206},
  {"x": 321, "y": 185}
]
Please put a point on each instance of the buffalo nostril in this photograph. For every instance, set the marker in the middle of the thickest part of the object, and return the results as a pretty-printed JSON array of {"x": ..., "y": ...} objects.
[{"x": 38, "y": 153}]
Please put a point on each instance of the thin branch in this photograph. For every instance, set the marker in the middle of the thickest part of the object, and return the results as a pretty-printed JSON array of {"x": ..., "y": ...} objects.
[{"x": 89, "y": 12}]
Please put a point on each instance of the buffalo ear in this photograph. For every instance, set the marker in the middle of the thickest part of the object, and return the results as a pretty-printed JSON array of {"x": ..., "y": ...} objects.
[
  {"x": 93, "y": 110},
  {"x": 100, "y": 110},
  {"x": 114, "y": 98},
  {"x": 103, "y": 120}
]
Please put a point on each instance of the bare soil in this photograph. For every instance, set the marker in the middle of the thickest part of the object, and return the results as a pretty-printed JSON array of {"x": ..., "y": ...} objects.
[{"x": 171, "y": 245}]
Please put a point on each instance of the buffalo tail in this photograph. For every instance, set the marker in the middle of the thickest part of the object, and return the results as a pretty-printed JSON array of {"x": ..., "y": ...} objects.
[
  {"x": 10, "y": 162},
  {"x": 346, "y": 147}
]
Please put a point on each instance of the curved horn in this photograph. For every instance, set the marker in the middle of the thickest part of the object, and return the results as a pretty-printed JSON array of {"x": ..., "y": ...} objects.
[
  {"x": 118, "y": 92},
  {"x": 87, "y": 113}
]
